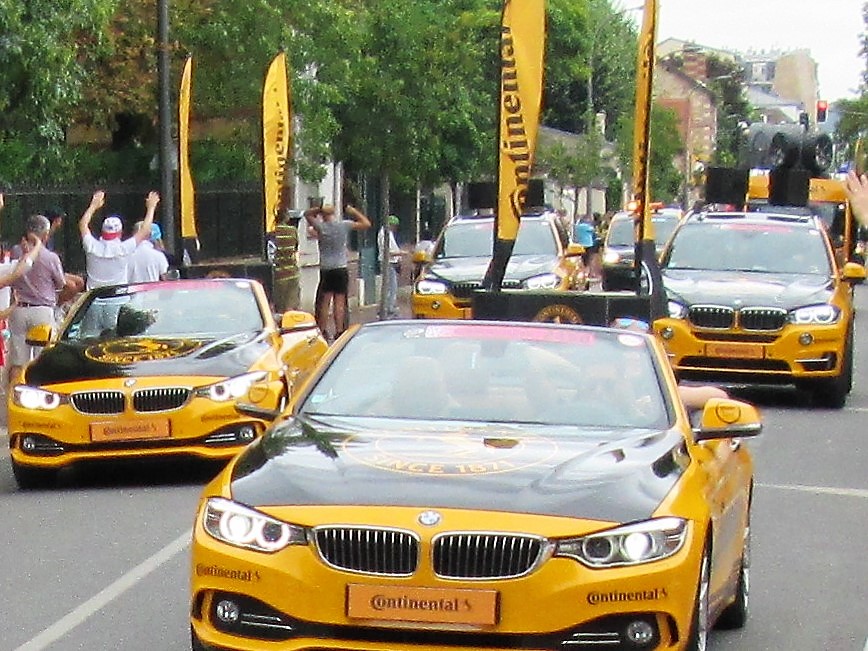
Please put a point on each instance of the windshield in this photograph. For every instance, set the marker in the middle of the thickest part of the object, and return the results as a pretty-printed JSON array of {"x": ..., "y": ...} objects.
[
  {"x": 774, "y": 247},
  {"x": 172, "y": 309},
  {"x": 621, "y": 230},
  {"x": 472, "y": 238},
  {"x": 494, "y": 373}
]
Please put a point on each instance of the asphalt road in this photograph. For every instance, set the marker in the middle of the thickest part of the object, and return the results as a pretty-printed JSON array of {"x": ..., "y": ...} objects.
[{"x": 101, "y": 562}]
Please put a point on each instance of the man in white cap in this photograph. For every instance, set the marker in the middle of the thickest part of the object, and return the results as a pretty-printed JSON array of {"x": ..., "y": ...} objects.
[
  {"x": 148, "y": 263},
  {"x": 106, "y": 258}
]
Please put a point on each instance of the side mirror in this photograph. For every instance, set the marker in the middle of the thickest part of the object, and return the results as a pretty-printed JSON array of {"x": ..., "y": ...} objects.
[
  {"x": 853, "y": 272},
  {"x": 574, "y": 249},
  {"x": 424, "y": 252},
  {"x": 257, "y": 412},
  {"x": 38, "y": 335},
  {"x": 296, "y": 320},
  {"x": 724, "y": 418}
]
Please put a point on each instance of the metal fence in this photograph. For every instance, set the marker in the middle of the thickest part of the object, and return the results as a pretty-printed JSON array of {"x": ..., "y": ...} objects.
[{"x": 229, "y": 220}]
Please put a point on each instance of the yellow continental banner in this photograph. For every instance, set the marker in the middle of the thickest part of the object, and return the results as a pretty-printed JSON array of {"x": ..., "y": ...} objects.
[
  {"x": 276, "y": 136},
  {"x": 642, "y": 133},
  {"x": 186, "y": 192},
  {"x": 522, "y": 47}
]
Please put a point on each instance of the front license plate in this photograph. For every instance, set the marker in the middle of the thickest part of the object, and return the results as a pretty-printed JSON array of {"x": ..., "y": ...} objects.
[
  {"x": 435, "y": 605},
  {"x": 129, "y": 430},
  {"x": 749, "y": 351}
]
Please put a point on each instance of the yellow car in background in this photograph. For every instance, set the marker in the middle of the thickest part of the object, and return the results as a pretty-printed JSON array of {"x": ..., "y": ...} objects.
[
  {"x": 154, "y": 370},
  {"x": 758, "y": 297},
  {"x": 453, "y": 269},
  {"x": 478, "y": 484}
]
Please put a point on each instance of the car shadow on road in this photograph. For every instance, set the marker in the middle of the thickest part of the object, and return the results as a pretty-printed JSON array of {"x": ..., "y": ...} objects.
[{"x": 137, "y": 474}]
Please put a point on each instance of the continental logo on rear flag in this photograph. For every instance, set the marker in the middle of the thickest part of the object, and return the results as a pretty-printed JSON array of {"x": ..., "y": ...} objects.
[
  {"x": 522, "y": 45},
  {"x": 276, "y": 136},
  {"x": 186, "y": 192}
]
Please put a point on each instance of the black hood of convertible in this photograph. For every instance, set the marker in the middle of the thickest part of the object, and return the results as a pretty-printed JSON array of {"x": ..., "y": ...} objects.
[
  {"x": 462, "y": 270},
  {"x": 746, "y": 288},
  {"x": 618, "y": 476},
  {"x": 91, "y": 359}
]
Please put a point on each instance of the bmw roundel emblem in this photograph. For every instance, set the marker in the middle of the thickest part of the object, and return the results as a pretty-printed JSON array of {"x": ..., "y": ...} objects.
[
  {"x": 129, "y": 382},
  {"x": 429, "y": 518}
]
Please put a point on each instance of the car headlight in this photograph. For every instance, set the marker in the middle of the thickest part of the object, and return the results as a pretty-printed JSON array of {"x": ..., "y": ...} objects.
[
  {"x": 543, "y": 281},
  {"x": 632, "y": 544},
  {"x": 815, "y": 315},
  {"x": 238, "y": 525},
  {"x": 33, "y": 398},
  {"x": 677, "y": 310},
  {"x": 231, "y": 388},
  {"x": 430, "y": 287},
  {"x": 611, "y": 257}
]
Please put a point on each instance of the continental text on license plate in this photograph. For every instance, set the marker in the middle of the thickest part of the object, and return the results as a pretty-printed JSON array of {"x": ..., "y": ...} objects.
[
  {"x": 414, "y": 604},
  {"x": 749, "y": 351},
  {"x": 129, "y": 430}
]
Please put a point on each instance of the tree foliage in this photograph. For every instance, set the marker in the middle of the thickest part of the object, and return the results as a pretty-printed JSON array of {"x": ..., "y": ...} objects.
[{"x": 398, "y": 88}]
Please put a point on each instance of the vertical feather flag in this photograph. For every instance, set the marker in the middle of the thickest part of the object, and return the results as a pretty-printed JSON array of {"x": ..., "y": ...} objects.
[
  {"x": 186, "y": 192},
  {"x": 647, "y": 269},
  {"x": 522, "y": 47},
  {"x": 276, "y": 136}
]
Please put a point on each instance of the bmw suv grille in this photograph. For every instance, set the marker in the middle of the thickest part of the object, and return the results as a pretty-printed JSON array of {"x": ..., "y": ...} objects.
[
  {"x": 712, "y": 316},
  {"x": 762, "y": 318}
]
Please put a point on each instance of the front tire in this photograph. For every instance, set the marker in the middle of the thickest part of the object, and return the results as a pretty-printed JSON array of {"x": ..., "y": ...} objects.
[
  {"x": 698, "y": 639},
  {"x": 33, "y": 478},
  {"x": 735, "y": 615}
]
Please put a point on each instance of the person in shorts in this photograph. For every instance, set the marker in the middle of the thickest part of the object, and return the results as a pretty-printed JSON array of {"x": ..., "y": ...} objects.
[{"x": 332, "y": 235}]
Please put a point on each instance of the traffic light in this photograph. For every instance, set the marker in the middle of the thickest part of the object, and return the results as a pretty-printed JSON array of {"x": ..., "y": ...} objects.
[{"x": 822, "y": 109}]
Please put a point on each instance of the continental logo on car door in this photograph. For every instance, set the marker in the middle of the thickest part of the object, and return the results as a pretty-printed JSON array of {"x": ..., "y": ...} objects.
[
  {"x": 140, "y": 350},
  {"x": 425, "y": 455}
]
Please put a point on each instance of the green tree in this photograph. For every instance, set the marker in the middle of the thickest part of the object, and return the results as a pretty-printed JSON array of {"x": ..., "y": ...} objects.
[
  {"x": 577, "y": 166},
  {"x": 590, "y": 64},
  {"x": 41, "y": 79}
]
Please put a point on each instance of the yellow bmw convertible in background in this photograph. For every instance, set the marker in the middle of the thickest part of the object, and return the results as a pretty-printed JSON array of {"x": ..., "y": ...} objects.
[
  {"x": 155, "y": 370},
  {"x": 472, "y": 484}
]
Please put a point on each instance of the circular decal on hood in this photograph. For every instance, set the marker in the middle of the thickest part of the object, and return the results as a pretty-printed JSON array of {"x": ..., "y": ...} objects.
[
  {"x": 139, "y": 350},
  {"x": 454, "y": 454}
]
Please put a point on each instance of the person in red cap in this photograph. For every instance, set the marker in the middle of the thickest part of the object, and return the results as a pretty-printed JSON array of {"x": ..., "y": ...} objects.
[{"x": 106, "y": 258}]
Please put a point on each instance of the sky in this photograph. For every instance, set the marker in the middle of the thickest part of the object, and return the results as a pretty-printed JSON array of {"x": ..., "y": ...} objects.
[{"x": 829, "y": 29}]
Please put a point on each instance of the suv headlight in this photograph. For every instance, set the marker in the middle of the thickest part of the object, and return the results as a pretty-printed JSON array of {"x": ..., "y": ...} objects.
[
  {"x": 543, "y": 281},
  {"x": 231, "y": 388},
  {"x": 430, "y": 287},
  {"x": 815, "y": 315},
  {"x": 240, "y": 526},
  {"x": 632, "y": 544},
  {"x": 611, "y": 257},
  {"x": 677, "y": 310},
  {"x": 33, "y": 398}
]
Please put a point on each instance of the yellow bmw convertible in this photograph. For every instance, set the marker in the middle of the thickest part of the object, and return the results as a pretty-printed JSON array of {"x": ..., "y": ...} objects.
[
  {"x": 154, "y": 370},
  {"x": 472, "y": 484}
]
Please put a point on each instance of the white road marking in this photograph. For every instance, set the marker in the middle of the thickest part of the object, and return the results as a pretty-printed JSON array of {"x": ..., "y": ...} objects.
[
  {"x": 65, "y": 624},
  {"x": 866, "y": 644},
  {"x": 826, "y": 490}
]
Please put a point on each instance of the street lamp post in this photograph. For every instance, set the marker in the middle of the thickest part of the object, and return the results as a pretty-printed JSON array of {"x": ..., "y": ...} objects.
[{"x": 167, "y": 186}]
